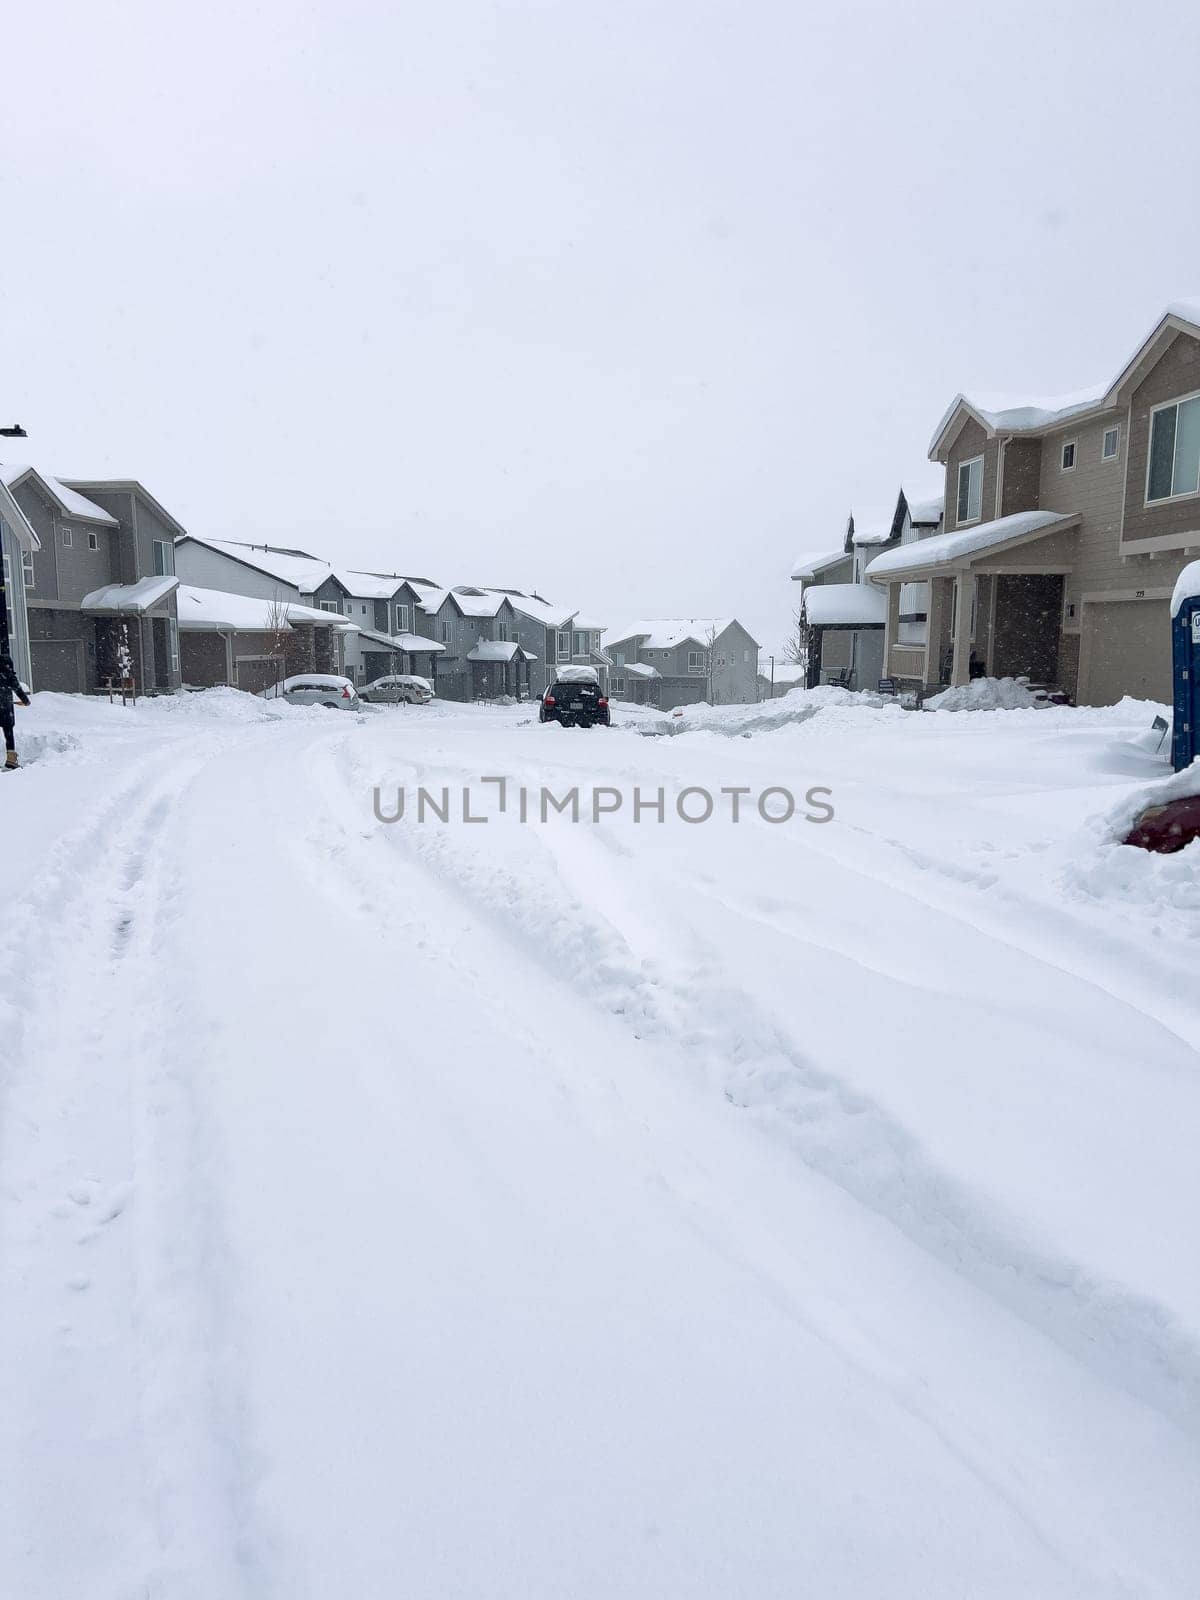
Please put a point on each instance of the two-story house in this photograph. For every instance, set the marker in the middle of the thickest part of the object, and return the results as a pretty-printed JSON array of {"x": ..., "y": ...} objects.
[
  {"x": 1066, "y": 524},
  {"x": 101, "y": 581},
  {"x": 290, "y": 581},
  {"x": 385, "y": 608},
  {"x": 18, "y": 544},
  {"x": 684, "y": 661},
  {"x": 555, "y": 636},
  {"x": 484, "y": 657},
  {"x": 842, "y": 611}
]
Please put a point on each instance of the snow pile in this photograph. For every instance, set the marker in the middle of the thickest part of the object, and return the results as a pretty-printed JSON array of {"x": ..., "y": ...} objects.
[
  {"x": 1164, "y": 888},
  {"x": 797, "y": 706},
  {"x": 986, "y": 694}
]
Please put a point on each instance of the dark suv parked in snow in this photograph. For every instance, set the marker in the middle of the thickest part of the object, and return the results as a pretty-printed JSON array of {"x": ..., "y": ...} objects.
[{"x": 574, "y": 702}]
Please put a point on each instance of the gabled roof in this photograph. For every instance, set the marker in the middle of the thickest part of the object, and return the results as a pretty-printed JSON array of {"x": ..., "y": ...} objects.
[
  {"x": 927, "y": 513},
  {"x": 876, "y": 524},
  {"x": 16, "y": 519},
  {"x": 1030, "y": 415},
  {"x": 294, "y": 567},
  {"x": 377, "y": 585},
  {"x": 68, "y": 501},
  {"x": 806, "y": 567},
  {"x": 493, "y": 650},
  {"x": 132, "y": 486},
  {"x": 957, "y": 548},
  {"x": 668, "y": 633}
]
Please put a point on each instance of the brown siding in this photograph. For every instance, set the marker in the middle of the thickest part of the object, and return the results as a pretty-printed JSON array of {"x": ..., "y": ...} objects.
[
  {"x": 971, "y": 442},
  {"x": 202, "y": 658},
  {"x": 1022, "y": 476},
  {"x": 1177, "y": 373}
]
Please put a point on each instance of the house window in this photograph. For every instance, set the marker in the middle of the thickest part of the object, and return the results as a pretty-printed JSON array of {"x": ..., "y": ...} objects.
[
  {"x": 502, "y": 632},
  {"x": 173, "y": 636},
  {"x": 745, "y": 658},
  {"x": 618, "y": 685},
  {"x": 970, "y": 490},
  {"x": 1174, "y": 468},
  {"x": 1068, "y": 456},
  {"x": 329, "y": 605},
  {"x": 448, "y": 630},
  {"x": 27, "y": 567},
  {"x": 401, "y": 619},
  {"x": 581, "y": 644},
  {"x": 68, "y": 537},
  {"x": 516, "y": 634},
  {"x": 93, "y": 541},
  {"x": 695, "y": 661},
  {"x": 720, "y": 661},
  {"x": 1111, "y": 445},
  {"x": 164, "y": 558},
  {"x": 564, "y": 646}
]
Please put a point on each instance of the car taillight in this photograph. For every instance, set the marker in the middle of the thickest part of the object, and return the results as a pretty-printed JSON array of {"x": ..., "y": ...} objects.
[
  {"x": 549, "y": 699},
  {"x": 602, "y": 701},
  {"x": 346, "y": 692}
]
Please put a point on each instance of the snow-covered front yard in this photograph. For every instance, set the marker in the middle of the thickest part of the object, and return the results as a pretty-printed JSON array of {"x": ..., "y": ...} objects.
[{"x": 596, "y": 1209}]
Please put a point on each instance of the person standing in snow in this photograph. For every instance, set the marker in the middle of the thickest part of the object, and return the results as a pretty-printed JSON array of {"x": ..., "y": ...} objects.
[{"x": 10, "y": 685}]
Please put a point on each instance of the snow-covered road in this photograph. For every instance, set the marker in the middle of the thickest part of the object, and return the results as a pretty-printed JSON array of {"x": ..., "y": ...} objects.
[{"x": 599, "y": 1209}]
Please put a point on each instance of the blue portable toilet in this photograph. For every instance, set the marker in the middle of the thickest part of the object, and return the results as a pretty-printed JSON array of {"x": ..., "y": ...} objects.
[{"x": 1185, "y": 654}]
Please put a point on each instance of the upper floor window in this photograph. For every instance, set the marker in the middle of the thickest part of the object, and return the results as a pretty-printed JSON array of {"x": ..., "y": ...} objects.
[
  {"x": 502, "y": 632},
  {"x": 695, "y": 660},
  {"x": 1111, "y": 445},
  {"x": 93, "y": 541},
  {"x": 970, "y": 490},
  {"x": 1174, "y": 450},
  {"x": 68, "y": 537},
  {"x": 564, "y": 646},
  {"x": 447, "y": 630},
  {"x": 164, "y": 558},
  {"x": 1068, "y": 456},
  {"x": 330, "y": 605},
  {"x": 581, "y": 644},
  {"x": 401, "y": 619},
  {"x": 27, "y": 567}
]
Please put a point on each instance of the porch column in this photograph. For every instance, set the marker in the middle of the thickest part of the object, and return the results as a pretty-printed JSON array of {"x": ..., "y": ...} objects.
[
  {"x": 891, "y": 627},
  {"x": 936, "y": 630},
  {"x": 964, "y": 589}
]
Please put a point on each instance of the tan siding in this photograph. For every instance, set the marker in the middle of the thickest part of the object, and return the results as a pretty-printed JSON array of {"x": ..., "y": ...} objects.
[
  {"x": 971, "y": 442},
  {"x": 1177, "y": 373}
]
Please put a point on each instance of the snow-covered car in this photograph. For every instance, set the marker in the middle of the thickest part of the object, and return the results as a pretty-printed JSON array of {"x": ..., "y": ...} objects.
[
  {"x": 575, "y": 699},
  {"x": 315, "y": 689},
  {"x": 398, "y": 688}
]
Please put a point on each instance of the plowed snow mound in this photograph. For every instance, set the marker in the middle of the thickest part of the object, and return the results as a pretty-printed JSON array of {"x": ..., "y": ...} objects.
[
  {"x": 985, "y": 694},
  {"x": 799, "y": 705}
]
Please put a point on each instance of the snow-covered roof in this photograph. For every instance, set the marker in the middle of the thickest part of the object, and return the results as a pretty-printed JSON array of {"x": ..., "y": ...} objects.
[
  {"x": 636, "y": 669},
  {"x": 410, "y": 643},
  {"x": 70, "y": 501},
  {"x": 294, "y": 567},
  {"x": 874, "y": 524},
  {"x": 667, "y": 633},
  {"x": 585, "y": 624},
  {"x": 946, "y": 548},
  {"x": 926, "y": 513},
  {"x": 858, "y": 605},
  {"x": 367, "y": 585},
  {"x": 129, "y": 598},
  {"x": 1187, "y": 585},
  {"x": 535, "y": 606},
  {"x": 493, "y": 650},
  {"x": 16, "y": 519},
  {"x": 806, "y": 567},
  {"x": 211, "y": 610}
]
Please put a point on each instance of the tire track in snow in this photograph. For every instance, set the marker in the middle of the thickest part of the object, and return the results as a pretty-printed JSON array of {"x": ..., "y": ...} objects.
[
  {"x": 97, "y": 1123},
  {"x": 549, "y": 893}
]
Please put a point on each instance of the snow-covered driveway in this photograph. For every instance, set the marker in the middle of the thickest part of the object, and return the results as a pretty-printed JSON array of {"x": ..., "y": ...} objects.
[{"x": 593, "y": 1210}]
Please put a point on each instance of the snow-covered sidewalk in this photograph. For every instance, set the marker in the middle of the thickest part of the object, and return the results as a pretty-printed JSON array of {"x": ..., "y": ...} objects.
[{"x": 594, "y": 1209}]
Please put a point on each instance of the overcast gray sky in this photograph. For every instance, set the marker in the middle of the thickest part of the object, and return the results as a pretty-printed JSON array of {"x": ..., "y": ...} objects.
[{"x": 629, "y": 302}]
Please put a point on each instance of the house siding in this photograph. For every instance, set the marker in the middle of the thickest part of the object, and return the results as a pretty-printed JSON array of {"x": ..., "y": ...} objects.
[
  {"x": 972, "y": 441},
  {"x": 1177, "y": 372},
  {"x": 18, "y": 622},
  {"x": 1021, "y": 488}
]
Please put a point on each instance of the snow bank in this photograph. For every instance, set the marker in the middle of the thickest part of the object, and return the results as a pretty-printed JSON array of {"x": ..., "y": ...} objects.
[
  {"x": 797, "y": 706},
  {"x": 985, "y": 694}
]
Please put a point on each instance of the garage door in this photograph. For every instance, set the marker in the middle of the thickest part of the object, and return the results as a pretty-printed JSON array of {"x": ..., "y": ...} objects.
[
  {"x": 1128, "y": 651},
  {"x": 256, "y": 673},
  {"x": 57, "y": 664}
]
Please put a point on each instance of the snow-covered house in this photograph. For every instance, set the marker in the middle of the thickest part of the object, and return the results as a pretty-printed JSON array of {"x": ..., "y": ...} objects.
[
  {"x": 385, "y": 608},
  {"x": 484, "y": 656},
  {"x": 101, "y": 579},
  {"x": 18, "y": 543},
  {"x": 1067, "y": 520},
  {"x": 274, "y": 573},
  {"x": 248, "y": 641},
  {"x": 680, "y": 661},
  {"x": 558, "y": 636}
]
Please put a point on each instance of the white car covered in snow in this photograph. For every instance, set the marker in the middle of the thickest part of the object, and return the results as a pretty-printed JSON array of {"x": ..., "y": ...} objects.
[
  {"x": 315, "y": 689},
  {"x": 398, "y": 688}
]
